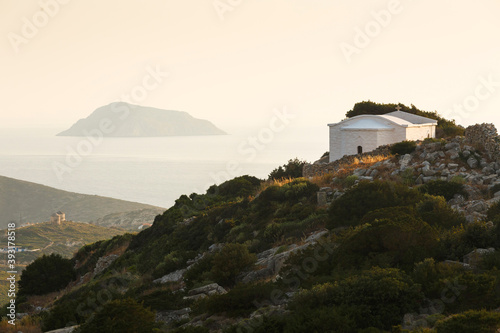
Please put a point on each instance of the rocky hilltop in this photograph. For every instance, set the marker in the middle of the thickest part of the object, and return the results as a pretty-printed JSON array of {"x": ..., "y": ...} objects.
[
  {"x": 473, "y": 159},
  {"x": 127, "y": 120}
]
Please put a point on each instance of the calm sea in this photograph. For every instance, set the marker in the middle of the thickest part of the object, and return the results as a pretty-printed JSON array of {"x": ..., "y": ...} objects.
[{"x": 154, "y": 171}]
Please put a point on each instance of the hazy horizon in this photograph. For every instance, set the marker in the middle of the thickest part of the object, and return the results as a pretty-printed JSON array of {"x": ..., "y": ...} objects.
[{"x": 234, "y": 64}]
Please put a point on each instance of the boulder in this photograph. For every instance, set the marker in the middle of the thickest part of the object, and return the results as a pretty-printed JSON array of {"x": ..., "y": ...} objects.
[
  {"x": 428, "y": 172},
  {"x": 170, "y": 317},
  {"x": 208, "y": 290},
  {"x": 452, "y": 145},
  {"x": 472, "y": 162},
  {"x": 404, "y": 161},
  {"x": 172, "y": 277},
  {"x": 488, "y": 170},
  {"x": 474, "y": 258},
  {"x": 104, "y": 262},
  {"x": 489, "y": 179},
  {"x": 359, "y": 172},
  {"x": 479, "y": 206}
]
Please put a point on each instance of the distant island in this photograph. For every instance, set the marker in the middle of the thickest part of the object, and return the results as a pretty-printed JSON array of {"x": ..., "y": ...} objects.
[{"x": 126, "y": 120}]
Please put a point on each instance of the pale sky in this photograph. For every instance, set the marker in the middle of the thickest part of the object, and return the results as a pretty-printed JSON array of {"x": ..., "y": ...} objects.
[{"x": 233, "y": 64}]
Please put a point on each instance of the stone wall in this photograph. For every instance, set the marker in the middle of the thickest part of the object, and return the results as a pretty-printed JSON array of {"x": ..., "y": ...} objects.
[
  {"x": 322, "y": 168},
  {"x": 485, "y": 137}
]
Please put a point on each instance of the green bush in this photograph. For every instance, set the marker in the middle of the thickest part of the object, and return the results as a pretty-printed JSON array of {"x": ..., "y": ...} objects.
[
  {"x": 199, "y": 272},
  {"x": 470, "y": 322},
  {"x": 230, "y": 262},
  {"x": 239, "y": 187},
  {"x": 493, "y": 211},
  {"x": 349, "y": 181},
  {"x": 435, "y": 211},
  {"x": 293, "y": 169},
  {"x": 239, "y": 301},
  {"x": 297, "y": 190},
  {"x": 124, "y": 316},
  {"x": 400, "y": 241},
  {"x": 403, "y": 147},
  {"x": 430, "y": 274},
  {"x": 444, "y": 188},
  {"x": 376, "y": 298},
  {"x": 462, "y": 239},
  {"x": 46, "y": 274},
  {"x": 367, "y": 196}
]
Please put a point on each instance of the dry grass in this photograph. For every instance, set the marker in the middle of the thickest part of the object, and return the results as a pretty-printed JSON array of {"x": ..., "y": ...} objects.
[
  {"x": 322, "y": 180},
  {"x": 346, "y": 169},
  {"x": 25, "y": 325},
  {"x": 43, "y": 300},
  {"x": 279, "y": 182}
]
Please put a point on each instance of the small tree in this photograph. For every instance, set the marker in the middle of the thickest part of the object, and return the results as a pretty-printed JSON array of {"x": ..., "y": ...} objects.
[
  {"x": 403, "y": 147},
  {"x": 230, "y": 262},
  {"x": 293, "y": 169},
  {"x": 46, "y": 274}
]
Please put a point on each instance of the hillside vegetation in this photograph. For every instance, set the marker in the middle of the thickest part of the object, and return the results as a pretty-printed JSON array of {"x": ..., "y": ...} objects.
[
  {"x": 47, "y": 238},
  {"x": 403, "y": 243},
  {"x": 36, "y": 203}
]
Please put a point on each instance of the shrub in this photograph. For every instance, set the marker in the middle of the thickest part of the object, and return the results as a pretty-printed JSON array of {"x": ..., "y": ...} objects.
[
  {"x": 293, "y": 169},
  {"x": 367, "y": 196},
  {"x": 470, "y": 322},
  {"x": 46, "y": 274},
  {"x": 349, "y": 181},
  {"x": 403, "y": 147},
  {"x": 230, "y": 262},
  {"x": 124, "y": 316},
  {"x": 239, "y": 187},
  {"x": 436, "y": 212},
  {"x": 460, "y": 240},
  {"x": 200, "y": 271},
  {"x": 364, "y": 293},
  {"x": 297, "y": 190},
  {"x": 407, "y": 177},
  {"x": 444, "y": 188},
  {"x": 239, "y": 301},
  {"x": 430, "y": 274},
  {"x": 493, "y": 211},
  {"x": 400, "y": 240}
]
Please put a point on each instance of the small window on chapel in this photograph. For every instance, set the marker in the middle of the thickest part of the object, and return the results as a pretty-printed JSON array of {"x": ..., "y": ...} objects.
[{"x": 360, "y": 150}]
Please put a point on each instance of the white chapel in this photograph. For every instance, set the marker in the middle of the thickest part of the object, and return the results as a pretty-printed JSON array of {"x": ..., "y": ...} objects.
[{"x": 365, "y": 133}]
